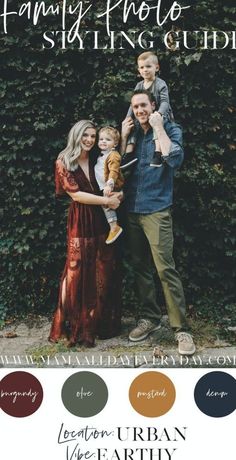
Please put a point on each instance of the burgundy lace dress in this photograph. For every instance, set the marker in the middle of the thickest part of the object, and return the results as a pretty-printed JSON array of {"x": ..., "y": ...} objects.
[{"x": 90, "y": 290}]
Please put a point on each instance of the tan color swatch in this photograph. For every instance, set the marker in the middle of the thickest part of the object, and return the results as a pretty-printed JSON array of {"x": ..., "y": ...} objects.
[{"x": 152, "y": 394}]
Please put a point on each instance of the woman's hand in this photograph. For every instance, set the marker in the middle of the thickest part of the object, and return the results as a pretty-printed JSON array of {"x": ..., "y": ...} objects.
[
  {"x": 120, "y": 195},
  {"x": 113, "y": 201}
]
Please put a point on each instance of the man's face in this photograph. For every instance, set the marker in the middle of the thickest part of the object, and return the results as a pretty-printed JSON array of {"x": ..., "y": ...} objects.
[{"x": 142, "y": 108}]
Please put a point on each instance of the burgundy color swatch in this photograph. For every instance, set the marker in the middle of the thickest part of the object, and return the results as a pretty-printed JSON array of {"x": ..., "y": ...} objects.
[{"x": 21, "y": 394}]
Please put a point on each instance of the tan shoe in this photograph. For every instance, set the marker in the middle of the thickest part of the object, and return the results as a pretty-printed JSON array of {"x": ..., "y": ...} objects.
[
  {"x": 185, "y": 343},
  {"x": 143, "y": 329},
  {"x": 114, "y": 234}
]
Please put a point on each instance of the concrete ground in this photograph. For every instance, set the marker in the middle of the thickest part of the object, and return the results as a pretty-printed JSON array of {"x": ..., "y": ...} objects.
[{"x": 25, "y": 344}]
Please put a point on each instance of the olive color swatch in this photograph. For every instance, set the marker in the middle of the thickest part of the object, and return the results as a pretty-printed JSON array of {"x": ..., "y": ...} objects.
[{"x": 84, "y": 394}]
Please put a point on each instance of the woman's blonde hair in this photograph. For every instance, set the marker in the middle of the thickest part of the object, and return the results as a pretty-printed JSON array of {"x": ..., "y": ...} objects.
[{"x": 71, "y": 153}]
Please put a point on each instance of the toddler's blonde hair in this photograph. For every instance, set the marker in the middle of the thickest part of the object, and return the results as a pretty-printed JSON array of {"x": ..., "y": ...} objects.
[
  {"x": 148, "y": 54},
  {"x": 113, "y": 132}
]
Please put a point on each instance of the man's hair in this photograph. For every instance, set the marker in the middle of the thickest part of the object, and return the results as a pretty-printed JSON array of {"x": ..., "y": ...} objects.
[
  {"x": 113, "y": 132},
  {"x": 148, "y": 54},
  {"x": 150, "y": 96}
]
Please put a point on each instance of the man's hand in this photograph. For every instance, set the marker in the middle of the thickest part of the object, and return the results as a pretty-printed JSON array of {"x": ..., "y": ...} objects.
[
  {"x": 127, "y": 126},
  {"x": 162, "y": 140},
  {"x": 156, "y": 120}
]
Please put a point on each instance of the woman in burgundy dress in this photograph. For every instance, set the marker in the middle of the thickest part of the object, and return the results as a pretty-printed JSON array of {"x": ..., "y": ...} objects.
[{"x": 90, "y": 291}]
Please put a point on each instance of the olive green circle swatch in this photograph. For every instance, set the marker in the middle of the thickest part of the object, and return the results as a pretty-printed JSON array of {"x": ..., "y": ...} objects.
[{"x": 84, "y": 394}]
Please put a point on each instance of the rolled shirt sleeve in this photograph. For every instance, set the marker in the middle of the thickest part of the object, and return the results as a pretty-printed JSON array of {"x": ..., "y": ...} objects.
[{"x": 175, "y": 157}]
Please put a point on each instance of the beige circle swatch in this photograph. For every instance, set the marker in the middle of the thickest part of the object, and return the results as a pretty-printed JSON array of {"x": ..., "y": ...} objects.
[{"x": 152, "y": 394}]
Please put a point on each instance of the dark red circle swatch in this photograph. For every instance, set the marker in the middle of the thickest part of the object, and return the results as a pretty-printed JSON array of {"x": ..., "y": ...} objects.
[{"x": 21, "y": 394}]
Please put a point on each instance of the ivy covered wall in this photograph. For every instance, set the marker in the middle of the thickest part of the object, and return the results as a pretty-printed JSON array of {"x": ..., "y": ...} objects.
[{"x": 44, "y": 91}]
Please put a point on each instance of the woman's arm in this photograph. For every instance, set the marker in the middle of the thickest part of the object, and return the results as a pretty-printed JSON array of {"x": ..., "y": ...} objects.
[{"x": 89, "y": 198}]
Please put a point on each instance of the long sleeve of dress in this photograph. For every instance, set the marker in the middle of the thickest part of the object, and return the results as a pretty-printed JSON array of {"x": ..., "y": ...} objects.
[{"x": 64, "y": 180}]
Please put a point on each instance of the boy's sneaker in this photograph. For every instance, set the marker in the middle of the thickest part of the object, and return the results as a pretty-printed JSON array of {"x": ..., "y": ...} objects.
[
  {"x": 114, "y": 234},
  {"x": 127, "y": 160},
  {"x": 143, "y": 329},
  {"x": 157, "y": 160},
  {"x": 185, "y": 343}
]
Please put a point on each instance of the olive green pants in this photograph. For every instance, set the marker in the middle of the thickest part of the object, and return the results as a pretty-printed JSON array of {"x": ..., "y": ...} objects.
[{"x": 151, "y": 240}]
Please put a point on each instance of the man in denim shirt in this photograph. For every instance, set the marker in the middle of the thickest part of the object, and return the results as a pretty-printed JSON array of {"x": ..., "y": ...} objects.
[{"x": 149, "y": 197}]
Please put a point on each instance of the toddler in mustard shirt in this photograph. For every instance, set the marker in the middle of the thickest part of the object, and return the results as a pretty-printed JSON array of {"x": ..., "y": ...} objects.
[{"x": 108, "y": 175}]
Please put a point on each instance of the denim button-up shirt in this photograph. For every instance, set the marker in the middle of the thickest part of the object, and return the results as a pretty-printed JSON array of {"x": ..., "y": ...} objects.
[{"x": 150, "y": 189}]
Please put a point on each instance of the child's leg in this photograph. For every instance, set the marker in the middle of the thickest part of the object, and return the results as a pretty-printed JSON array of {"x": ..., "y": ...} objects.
[
  {"x": 130, "y": 148},
  {"x": 157, "y": 161},
  {"x": 128, "y": 159},
  {"x": 115, "y": 229},
  {"x": 111, "y": 217},
  {"x": 131, "y": 143}
]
